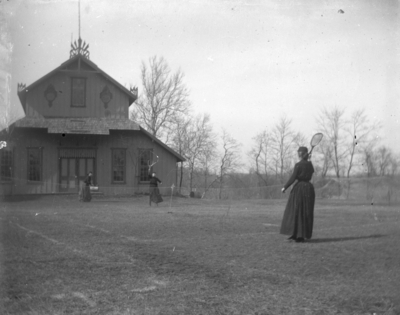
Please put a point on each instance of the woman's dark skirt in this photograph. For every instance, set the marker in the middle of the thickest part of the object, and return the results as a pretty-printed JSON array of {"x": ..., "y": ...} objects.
[
  {"x": 84, "y": 194},
  {"x": 298, "y": 218},
  {"x": 155, "y": 195}
]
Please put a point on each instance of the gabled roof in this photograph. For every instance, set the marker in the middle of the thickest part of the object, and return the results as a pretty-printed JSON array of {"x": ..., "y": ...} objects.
[{"x": 22, "y": 92}]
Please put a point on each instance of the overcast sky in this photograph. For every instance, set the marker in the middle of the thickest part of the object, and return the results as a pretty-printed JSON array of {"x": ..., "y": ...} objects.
[{"x": 246, "y": 62}]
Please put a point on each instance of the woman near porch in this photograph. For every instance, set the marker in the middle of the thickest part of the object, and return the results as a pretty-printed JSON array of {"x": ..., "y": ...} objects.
[{"x": 84, "y": 193}]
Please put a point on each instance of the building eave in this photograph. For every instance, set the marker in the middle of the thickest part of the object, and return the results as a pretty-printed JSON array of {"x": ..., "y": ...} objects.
[
  {"x": 93, "y": 126},
  {"x": 89, "y": 126},
  {"x": 179, "y": 157}
]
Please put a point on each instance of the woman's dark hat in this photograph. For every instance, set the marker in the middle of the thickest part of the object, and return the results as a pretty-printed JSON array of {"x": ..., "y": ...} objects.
[{"x": 303, "y": 149}]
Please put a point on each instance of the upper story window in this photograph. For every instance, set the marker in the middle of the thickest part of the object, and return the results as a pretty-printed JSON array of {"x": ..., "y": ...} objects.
[
  {"x": 6, "y": 164},
  {"x": 78, "y": 92}
]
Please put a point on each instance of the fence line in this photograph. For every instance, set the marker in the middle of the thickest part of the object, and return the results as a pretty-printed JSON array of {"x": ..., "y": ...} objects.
[{"x": 374, "y": 189}]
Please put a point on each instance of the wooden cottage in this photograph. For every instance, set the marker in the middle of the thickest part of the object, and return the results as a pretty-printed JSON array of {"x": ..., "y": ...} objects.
[{"x": 77, "y": 120}]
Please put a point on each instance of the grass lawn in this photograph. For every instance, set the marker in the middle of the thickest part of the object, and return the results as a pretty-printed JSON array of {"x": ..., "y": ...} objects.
[{"x": 119, "y": 256}]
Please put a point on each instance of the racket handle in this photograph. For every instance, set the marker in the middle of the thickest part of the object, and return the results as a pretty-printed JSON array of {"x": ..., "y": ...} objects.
[{"x": 309, "y": 154}]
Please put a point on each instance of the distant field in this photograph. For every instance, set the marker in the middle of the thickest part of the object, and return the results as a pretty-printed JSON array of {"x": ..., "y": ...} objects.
[{"x": 119, "y": 256}]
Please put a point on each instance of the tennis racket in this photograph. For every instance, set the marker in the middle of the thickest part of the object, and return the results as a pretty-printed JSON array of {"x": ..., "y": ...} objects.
[
  {"x": 153, "y": 160},
  {"x": 149, "y": 158},
  {"x": 3, "y": 144},
  {"x": 316, "y": 139}
]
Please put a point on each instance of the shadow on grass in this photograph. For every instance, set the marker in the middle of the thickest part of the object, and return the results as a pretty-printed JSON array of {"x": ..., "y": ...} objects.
[
  {"x": 21, "y": 198},
  {"x": 342, "y": 239}
]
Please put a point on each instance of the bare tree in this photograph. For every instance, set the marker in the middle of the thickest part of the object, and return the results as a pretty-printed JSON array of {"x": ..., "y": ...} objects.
[
  {"x": 260, "y": 156},
  {"x": 230, "y": 158},
  {"x": 283, "y": 139},
  {"x": 207, "y": 162},
  {"x": 179, "y": 141},
  {"x": 164, "y": 98},
  {"x": 331, "y": 122},
  {"x": 383, "y": 158},
  {"x": 369, "y": 158},
  {"x": 300, "y": 140},
  {"x": 198, "y": 138},
  {"x": 359, "y": 128},
  {"x": 394, "y": 165},
  {"x": 325, "y": 151}
]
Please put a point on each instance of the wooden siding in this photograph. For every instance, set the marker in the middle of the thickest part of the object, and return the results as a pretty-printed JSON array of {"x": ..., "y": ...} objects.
[
  {"x": 132, "y": 141},
  {"x": 36, "y": 103},
  {"x": 34, "y": 138}
]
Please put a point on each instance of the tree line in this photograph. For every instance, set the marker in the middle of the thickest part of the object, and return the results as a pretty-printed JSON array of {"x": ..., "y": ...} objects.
[{"x": 351, "y": 144}]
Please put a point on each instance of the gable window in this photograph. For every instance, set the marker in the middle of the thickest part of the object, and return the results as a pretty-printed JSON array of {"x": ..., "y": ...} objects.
[
  {"x": 34, "y": 164},
  {"x": 118, "y": 158},
  {"x": 78, "y": 92},
  {"x": 144, "y": 158},
  {"x": 6, "y": 163}
]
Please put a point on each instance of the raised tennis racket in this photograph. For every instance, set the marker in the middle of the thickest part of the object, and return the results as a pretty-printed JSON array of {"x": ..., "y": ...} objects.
[
  {"x": 153, "y": 160},
  {"x": 316, "y": 139},
  {"x": 149, "y": 158}
]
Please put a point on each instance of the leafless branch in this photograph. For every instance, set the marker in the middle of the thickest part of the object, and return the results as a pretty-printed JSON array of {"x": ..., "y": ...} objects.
[{"x": 164, "y": 98}]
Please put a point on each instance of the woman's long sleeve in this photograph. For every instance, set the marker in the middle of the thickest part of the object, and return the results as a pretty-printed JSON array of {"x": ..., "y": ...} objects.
[
  {"x": 293, "y": 177},
  {"x": 88, "y": 181}
]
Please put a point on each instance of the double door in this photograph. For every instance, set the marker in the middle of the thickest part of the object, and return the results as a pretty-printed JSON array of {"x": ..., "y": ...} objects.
[{"x": 73, "y": 172}]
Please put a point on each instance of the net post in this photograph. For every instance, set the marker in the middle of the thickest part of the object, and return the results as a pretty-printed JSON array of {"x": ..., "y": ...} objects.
[{"x": 172, "y": 192}]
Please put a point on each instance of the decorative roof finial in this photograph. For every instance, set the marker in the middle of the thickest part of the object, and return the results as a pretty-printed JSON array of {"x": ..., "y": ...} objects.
[
  {"x": 134, "y": 90},
  {"x": 77, "y": 48},
  {"x": 21, "y": 87}
]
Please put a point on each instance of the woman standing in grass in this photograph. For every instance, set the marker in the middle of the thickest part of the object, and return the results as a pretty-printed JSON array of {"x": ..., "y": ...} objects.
[
  {"x": 298, "y": 218},
  {"x": 85, "y": 194},
  {"x": 153, "y": 190}
]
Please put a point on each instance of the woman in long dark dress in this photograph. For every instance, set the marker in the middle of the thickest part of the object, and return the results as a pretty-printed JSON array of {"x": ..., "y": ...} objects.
[
  {"x": 85, "y": 195},
  {"x": 298, "y": 218},
  {"x": 153, "y": 190}
]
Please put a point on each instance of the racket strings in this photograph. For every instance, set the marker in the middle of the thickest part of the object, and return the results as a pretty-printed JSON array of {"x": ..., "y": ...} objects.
[{"x": 316, "y": 139}]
